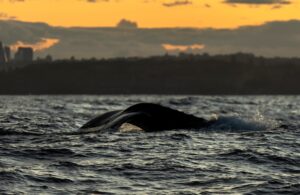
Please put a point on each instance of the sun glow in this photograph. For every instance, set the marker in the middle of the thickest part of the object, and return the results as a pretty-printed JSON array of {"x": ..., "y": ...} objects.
[
  {"x": 182, "y": 48},
  {"x": 148, "y": 14},
  {"x": 45, "y": 43}
]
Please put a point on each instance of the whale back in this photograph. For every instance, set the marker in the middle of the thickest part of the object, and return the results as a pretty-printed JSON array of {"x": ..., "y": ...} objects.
[
  {"x": 147, "y": 116},
  {"x": 154, "y": 117}
]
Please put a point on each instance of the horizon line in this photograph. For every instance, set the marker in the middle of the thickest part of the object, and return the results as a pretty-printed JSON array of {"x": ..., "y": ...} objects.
[{"x": 145, "y": 28}]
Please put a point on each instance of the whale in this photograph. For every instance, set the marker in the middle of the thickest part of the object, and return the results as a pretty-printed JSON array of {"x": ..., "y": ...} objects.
[{"x": 148, "y": 117}]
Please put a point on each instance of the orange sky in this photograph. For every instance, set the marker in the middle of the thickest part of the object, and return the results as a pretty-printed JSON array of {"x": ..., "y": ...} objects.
[{"x": 148, "y": 13}]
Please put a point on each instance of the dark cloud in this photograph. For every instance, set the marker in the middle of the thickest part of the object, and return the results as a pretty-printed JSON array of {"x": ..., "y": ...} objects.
[
  {"x": 207, "y": 5},
  {"x": 5, "y": 16},
  {"x": 17, "y": 1},
  {"x": 89, "y": 1},
  {"x": 188, "y": 2},
  {"x": 127, "y": 24},
  {"x": 258, "y": 2},
  {"x": 270, "y": 39},
  {"x": 95, "y": 1},
  {"x": 14, "y": 1},
  {"x": 276, "y": 7},
  {"x": 177, "y": 3}
]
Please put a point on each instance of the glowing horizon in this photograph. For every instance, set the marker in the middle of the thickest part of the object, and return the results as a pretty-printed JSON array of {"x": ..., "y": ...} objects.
[{"x": 151, "y": 13}]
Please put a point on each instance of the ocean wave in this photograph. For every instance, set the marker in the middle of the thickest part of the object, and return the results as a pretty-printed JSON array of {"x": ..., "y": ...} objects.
[
  {"x": 252, "y": 149},
  {"x": 236, "y": 123}
]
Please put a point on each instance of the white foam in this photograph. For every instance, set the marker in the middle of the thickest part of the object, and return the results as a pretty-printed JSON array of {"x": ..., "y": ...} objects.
[{"x": 237, "y": 123}]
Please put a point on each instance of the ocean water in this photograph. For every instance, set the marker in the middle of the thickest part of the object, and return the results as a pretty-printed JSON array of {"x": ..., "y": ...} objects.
[{"x": 253, "y": 149}]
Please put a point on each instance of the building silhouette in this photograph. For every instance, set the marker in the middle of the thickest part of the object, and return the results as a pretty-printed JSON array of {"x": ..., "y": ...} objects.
[
  {"x": 7, "y": 53},
  {"x": 24, "y": 55},
  {"x": 2, "y": 55}
]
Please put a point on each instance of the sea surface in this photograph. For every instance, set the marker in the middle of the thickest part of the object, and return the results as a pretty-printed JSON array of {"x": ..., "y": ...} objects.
[{"x": 253, "y": 149}]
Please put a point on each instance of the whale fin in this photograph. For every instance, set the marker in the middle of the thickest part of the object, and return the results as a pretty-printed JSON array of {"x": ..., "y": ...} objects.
[
  {"x": 100, "y": 120},
  {"x": 111, "y": 120}
]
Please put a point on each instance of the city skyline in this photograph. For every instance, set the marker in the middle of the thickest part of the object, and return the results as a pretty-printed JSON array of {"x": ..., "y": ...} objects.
[{"x": 22, "y": 55}]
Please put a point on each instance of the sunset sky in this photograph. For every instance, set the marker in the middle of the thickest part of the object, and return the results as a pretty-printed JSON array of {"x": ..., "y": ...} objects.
[{"x": 151, "y": 13}]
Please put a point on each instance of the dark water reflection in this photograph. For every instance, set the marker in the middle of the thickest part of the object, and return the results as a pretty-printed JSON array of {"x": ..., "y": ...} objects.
[{"x": 255, "y": 148}]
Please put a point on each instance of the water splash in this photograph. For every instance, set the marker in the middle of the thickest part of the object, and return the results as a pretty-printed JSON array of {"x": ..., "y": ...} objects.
[{"x": 236, "y": 123}]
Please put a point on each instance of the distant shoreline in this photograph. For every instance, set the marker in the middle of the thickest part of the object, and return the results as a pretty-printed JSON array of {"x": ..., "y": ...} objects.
[{"x": 236, "y": 74}]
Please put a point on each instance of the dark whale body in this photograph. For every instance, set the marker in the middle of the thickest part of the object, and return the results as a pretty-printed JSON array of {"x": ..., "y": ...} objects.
[{"x": 147, "y": 116}]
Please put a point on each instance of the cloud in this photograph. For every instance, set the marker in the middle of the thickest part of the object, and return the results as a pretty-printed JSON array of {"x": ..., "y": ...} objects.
[
  {"x": 177, "y": 3},
  {"x": 89, "y": 1},
  {"x": 276, "y": 7},
  {"x": 270, "y": 39},
  {"x": 5, "y": 16},
  {"x": 258, "y": 2},
  {"x": 173, "y": 3},
  {"x": 182, "y": 48},
  {"x": 95, "y": 1},
  {"x": 45, "y": 43},
  {"x": 127, "y": 24},
  {"x": 14, "y": 1}
]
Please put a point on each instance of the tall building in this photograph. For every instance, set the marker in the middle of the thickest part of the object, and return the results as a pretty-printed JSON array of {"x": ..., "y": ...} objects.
[
  {"x": 2, "y": 54},
  {"x": 24, "y": 55},
  {"x": 7, "y": 53}
]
